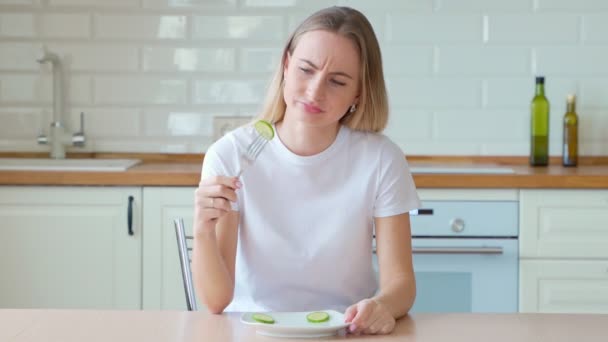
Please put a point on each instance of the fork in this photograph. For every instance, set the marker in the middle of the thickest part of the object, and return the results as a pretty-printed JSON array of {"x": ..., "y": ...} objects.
[{"x": 253, "y": 151}]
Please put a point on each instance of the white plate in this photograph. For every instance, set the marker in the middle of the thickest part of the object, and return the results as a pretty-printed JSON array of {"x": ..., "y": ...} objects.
[{"x": 295, "y": 324}]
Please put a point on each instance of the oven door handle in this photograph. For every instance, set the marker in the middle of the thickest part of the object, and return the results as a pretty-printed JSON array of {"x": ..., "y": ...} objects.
[{"x": 455, "y": 250}]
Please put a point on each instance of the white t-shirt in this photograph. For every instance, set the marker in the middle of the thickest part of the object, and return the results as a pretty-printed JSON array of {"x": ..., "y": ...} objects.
[{"x": 306, "y": 223}]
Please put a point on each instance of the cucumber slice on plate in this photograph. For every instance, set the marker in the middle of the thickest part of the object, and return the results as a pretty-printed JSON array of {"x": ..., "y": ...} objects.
[
  {"x": 263, "y": 318},
  {"x": 317, "y": 317},
  {"x": 265, "y": 129}
]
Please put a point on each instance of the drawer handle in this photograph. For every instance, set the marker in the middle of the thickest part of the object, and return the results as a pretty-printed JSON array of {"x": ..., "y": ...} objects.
[
  {"x": 422, "y": 211},
  {"x": 456, "y": 250},
  {"x": 130, "y": 216}
]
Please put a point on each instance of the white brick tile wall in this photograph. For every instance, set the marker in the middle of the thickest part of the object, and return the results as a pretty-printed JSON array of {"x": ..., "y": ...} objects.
[
  {"x": 595, "y": 28},
  {"x": 65, "y": 25},
  {"x": 533, "y": 28},
  {"x": 140, "y": 26},
  {"x": 594, "y": 93},
  {"x": 108, "y": 122},
  {"x": 409, "y": 125},
  {"x": 399, "y": 60},
  {"x": 98, "y": 57},
  {"x": 39, "y": 89},
  {"x": 160, "y": 58},
  {"x": 590, "y": 121},
  {"x": 151, "y": 75},
  {"x": 100, "y": 3},
  {"x": 569, "y": 5},
  {"x": 257, "y": 28},
  {"x": 175, "y": 123},
  {"x": 480, "y": 125},
  {"x": 189, "y": 4},
  {"x": 508, "y": 92},
  {"x": 483, "y": 61},
  {"x": 572, "y": 60},
  {"x": 19, "y": 56},
  {"x": 287, "y": 3},
  {"x": 17, "y": 25},
  {"x": 20, "y": 122},
  {"x": 228, "y": 91},
  {"x": 260, "y": 60},
  {"x": 418, "y": 6},
  {"x": 458, "y": 28},
  {"x": 483, "y": 6},
  {"x": 435, "y": 93},
  {"x": 19, "y": 2},
  {"x": 134, "y": 89}
]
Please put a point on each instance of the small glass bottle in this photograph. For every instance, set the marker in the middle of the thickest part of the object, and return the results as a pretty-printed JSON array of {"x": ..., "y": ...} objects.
[
  {"x": 539, "y": 126},
  {"x": 570, "y": 138}
]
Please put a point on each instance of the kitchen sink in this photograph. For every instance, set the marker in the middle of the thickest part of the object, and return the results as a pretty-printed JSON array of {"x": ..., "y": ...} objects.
[{"x": 43, "y": 164}]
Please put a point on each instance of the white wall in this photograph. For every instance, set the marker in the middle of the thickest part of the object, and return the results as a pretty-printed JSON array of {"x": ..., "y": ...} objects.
[{"x": 150, "y": 75}]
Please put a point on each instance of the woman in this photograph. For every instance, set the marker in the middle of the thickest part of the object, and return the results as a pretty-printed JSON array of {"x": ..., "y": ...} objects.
[{"x": 305, "y": 213}]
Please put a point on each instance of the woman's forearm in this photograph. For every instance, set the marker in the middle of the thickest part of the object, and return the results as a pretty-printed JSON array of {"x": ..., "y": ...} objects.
[
  {"x": 213, "y": 282},
  {"x": 398, "y": 296}
]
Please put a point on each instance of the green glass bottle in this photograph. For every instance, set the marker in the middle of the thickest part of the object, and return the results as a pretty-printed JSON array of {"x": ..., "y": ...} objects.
[
  {"x": 570, "y": 139},
  {"x": 539, "y": 143}
]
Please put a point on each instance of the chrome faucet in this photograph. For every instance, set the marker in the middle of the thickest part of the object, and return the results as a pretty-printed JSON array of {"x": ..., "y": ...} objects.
[{"x": 59, "y": 137}]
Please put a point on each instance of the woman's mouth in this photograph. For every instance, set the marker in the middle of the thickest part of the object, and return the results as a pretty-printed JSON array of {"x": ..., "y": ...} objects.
[{"x": 310, "y": 108}]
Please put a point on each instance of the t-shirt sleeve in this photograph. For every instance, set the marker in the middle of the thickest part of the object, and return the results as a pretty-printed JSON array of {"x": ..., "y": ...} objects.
[
  {"x": 396, "y": 192},
  {"x": 219, "y": 161}
]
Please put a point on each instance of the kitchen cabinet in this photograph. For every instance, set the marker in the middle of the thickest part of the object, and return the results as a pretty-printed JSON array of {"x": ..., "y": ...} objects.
[
  {"x": 564, "y": 251},
  {"x": 162, "y": 285},
  {"x": 70, "y": 247}
]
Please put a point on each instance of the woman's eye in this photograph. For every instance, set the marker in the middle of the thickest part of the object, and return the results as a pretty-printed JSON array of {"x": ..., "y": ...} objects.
[
  {"x": 336, "y": 82},
  {"x": 306, "y": 70}
]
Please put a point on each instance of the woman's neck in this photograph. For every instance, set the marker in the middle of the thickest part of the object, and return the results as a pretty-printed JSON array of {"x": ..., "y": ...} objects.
[{"x": 305, "y": 140}]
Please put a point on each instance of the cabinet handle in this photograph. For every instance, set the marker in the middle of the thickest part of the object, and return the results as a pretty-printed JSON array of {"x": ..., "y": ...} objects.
[
  {"x": 130, "y": 216},
  {"x": 421, "y": 211}
]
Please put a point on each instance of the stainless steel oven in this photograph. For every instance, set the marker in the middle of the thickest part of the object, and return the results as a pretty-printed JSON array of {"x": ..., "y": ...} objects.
[{"x": 465, "y": 256}]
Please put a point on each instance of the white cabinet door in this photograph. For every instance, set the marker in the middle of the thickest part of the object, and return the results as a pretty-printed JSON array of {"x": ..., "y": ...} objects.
[
  {"x": 70, "y": 247},
  {"x": 163, "y": 286},
  {"x": 564, "y": 223},
  {"x": 564, "y": 286}
]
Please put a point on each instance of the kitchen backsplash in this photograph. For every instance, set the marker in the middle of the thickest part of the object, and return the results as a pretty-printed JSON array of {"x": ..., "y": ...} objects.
[{"x": 151, "y": 75}]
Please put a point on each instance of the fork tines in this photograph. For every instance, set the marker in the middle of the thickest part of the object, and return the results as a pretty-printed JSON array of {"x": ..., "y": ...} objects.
[{"x": 256, "y": 147}]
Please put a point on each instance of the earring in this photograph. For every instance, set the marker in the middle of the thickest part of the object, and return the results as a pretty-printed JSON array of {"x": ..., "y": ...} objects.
[{"x": 352, "y": 108}]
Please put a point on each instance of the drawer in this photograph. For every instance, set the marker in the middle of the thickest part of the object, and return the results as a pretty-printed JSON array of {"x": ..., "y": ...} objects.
[
  {"x": 466, "y": 218},
  {"x": 564, "y": 286},
  {"x": 564, "y": 223}
]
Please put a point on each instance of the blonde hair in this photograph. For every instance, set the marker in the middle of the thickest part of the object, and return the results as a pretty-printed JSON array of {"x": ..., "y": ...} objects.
[{"x": 372, "y": 110}]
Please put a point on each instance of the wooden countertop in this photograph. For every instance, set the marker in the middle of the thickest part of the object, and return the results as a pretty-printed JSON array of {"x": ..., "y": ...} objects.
[
  {"x": 183, "y": 326},
  {"x": 591, "y": 174}
]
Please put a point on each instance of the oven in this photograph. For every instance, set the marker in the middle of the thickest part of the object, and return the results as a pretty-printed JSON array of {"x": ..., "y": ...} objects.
[{"x": 465, "y": 256}]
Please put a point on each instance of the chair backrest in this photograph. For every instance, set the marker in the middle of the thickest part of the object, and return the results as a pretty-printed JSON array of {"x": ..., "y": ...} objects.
[{"x": 184, "y": 261}]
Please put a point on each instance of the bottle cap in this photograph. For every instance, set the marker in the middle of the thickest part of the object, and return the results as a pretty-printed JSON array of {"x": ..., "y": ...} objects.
[
  {"x": 571, "y": 98},
  {"x": 540, "y": 79}
]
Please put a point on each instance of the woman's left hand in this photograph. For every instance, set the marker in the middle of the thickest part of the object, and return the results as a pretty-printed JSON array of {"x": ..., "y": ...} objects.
[{"x": 369, "y": 316}]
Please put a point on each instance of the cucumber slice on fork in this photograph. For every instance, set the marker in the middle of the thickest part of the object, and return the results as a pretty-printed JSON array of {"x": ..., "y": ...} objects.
[{"x": 264, "y": 128}]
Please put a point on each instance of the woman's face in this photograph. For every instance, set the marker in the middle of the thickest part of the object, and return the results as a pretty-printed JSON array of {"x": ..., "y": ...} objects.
[{"x": 321, "y": 78}]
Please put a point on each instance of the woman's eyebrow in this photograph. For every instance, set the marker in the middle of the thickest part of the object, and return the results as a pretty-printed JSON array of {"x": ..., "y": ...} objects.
[{"x": 340, "y": 73}]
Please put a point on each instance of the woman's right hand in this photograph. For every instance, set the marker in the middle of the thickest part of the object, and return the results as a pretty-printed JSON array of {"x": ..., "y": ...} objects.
[{"x": 212, "y": 201}]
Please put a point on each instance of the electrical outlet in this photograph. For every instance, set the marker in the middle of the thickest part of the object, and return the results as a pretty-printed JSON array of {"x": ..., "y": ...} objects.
[{"x": 225, "y": 124}]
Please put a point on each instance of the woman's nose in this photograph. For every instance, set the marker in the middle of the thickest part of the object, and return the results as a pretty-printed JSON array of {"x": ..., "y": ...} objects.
[{"x": 315, "y": 89}]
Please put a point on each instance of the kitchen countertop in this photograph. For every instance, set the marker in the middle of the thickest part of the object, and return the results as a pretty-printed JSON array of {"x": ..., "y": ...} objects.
[
  {"x": 156, "y": 326},
  {"x": 186, "y": 172}
]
